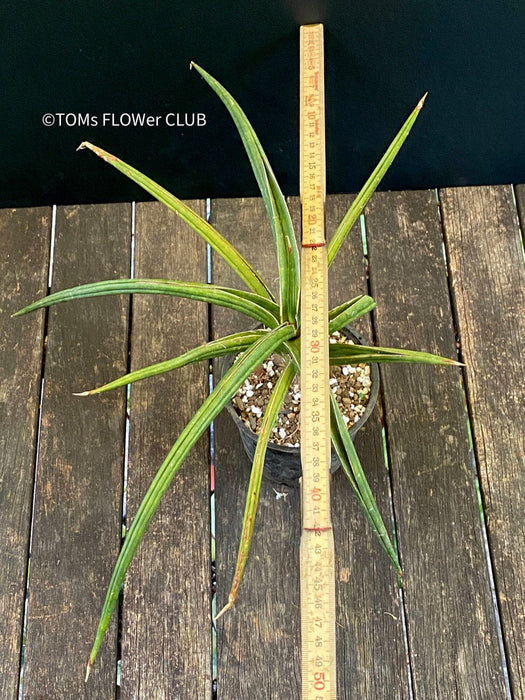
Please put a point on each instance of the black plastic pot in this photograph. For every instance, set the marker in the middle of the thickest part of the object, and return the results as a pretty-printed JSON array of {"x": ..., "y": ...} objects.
[{"x": 282, "y": 465}]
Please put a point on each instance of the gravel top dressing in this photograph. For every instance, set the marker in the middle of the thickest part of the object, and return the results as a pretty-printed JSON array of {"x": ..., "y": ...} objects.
[{"x": 351, "y": 385}]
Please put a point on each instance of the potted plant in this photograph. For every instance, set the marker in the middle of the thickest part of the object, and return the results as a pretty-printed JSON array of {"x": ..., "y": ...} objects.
[
  {"x": 356, "y": 389},
  {"x": 279, "y": 332}
]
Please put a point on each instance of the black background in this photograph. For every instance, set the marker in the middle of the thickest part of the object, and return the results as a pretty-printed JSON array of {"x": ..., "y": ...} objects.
[{"x": 94, "y": 57}]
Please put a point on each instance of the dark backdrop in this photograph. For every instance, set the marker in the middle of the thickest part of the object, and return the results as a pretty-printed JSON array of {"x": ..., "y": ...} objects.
[{"x": 92, "y": 57}]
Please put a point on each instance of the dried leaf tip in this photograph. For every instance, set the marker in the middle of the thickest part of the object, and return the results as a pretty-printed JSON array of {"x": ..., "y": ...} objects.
[
  {"x": 192, "y": 65},
  {"x": 228, "y": 605},
  {"x": 88, "y": 671},
  {"x": 422, "y": 101},
  {"x": 100, "y": 152},
  {"x": 81, "y": 393}
]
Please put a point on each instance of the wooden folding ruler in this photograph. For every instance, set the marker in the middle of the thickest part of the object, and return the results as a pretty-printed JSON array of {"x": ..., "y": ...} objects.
[{"x": 318, "y": 650}]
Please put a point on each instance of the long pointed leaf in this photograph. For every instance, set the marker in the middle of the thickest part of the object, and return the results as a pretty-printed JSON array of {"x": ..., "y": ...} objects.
[
  {"x": 336, "y": 310},
  {"x": 345, "y": 353},
  {"x": 354, "y": 471},
  {"x": 280, "y": 220},
  {"x": 351, "y": 313},
  {"x": 210, "y": 408},
  {"x": 371, "y": 184},
  {"x": 252, "y": 499},
  {"x": 337, "y": 443},
  {"x": 210, "y": 234},
  {"x": 253, "y": 305},
  {"x": 216, "y": 348}
]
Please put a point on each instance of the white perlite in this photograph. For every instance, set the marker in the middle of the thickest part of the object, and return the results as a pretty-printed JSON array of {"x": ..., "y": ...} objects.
[{"x": 351, "y": 385}]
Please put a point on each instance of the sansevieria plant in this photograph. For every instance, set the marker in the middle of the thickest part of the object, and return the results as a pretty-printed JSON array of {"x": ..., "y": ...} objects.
[{"x": 280, "y": 332}]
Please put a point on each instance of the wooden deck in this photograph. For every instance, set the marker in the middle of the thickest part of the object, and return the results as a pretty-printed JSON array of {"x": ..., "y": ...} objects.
[{"x": 448, "y": 277}]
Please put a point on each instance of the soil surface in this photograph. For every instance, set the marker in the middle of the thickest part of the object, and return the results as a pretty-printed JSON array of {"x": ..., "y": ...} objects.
[{"x": 350, "y": 383}]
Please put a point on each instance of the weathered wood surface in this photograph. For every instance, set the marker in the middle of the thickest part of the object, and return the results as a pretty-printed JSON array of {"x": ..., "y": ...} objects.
[
  {"x": 167, "y": 594},
  {"x": 434, "y": 480},
  {"x": 485, "y": 248},
  {"x": 78, "y": 491},
  {"x": 24, "y": 256},
  {"x": 438, "y": 638},
  {"x": 79, "y": 475},
  {"x": 258, "y": 654}
]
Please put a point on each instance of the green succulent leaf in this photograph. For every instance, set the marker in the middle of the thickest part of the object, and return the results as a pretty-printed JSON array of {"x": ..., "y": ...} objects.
[
  {"x": 350, "y": 312},
  {"x": 252, "y": 499},
  {"x": 342, "y": 307},
  {"x": 293, "y": 349},
  {"x": 343, "y": 353},
  {"x": 258, "y": 307},
  {"x": 216, "y": 348},
  {"x": 371, "y": 184},
  {"x": 210, "y": 408},
  {"x": 278, "y": 214},
  {"x": 354, "y": 471},
  {"x": 216, "y": 240}
]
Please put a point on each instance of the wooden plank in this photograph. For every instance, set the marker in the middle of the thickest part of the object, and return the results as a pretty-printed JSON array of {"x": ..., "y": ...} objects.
[
  {"x": 452, "y": 633},
  {"x": 488, "y": 277},
  {"x": 371, "y": 649},
  {"x": 77, "y": 518},
  {"x": 258, "y": 640},
  {"x": 370, "y": 645},
  {"x": 24, "y": 259},
  {"x": 166, "y": 627}
]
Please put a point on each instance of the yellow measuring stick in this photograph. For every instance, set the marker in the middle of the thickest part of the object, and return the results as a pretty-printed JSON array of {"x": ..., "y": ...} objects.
[{"x": 318, "y": 651}]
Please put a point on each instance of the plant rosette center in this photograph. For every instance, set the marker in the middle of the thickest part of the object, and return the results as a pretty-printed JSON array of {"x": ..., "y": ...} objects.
[{"x": 351, "y": 385}]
